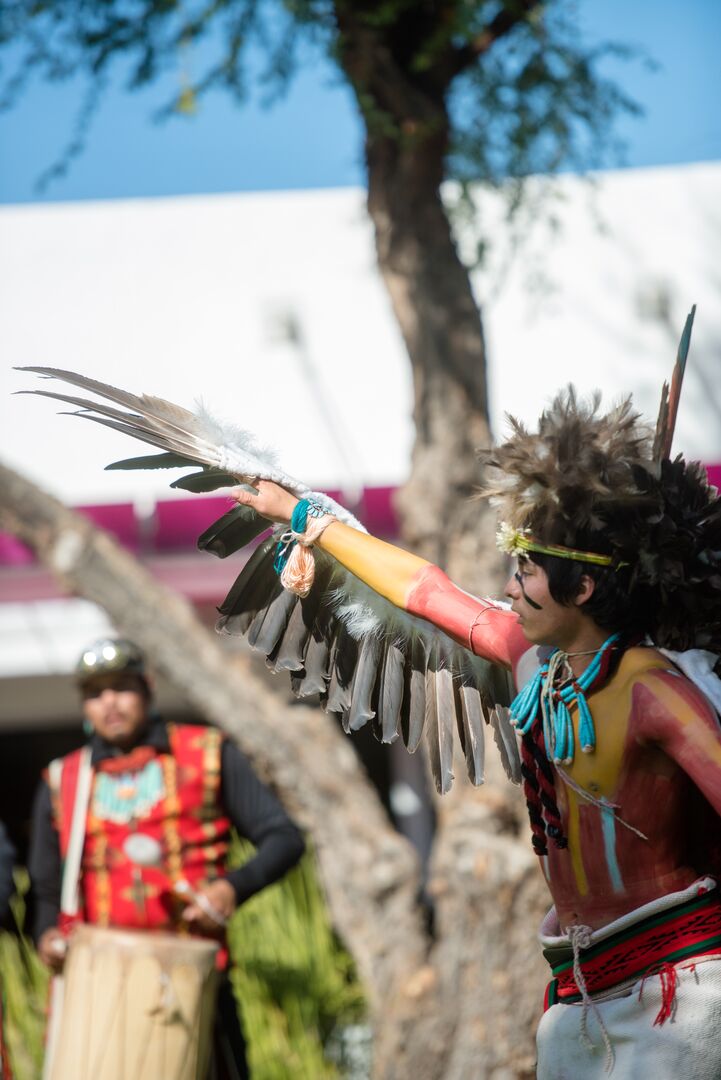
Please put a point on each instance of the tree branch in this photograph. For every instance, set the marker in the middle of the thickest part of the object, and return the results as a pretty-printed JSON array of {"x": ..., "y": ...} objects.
[
  {"x": 505, "y": 21},
  {"x": 368, "y": 871}
]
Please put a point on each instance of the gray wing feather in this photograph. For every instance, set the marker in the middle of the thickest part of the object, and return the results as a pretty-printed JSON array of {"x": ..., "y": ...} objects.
[
  {"x": 361, "y": 708},
  {"x": 440, "y": 718},
  {"x": 313, "y": 679},
  {"x": 469, "y": 712},
  {"x": 505, "y": 739},
  {"x": 294, "y": 642},
  {"x": 413, "y": 712},
  {"x": 270, "y": 624},
  {"x": 391, "y": 693},
  {"x": 343, "y": 659}
]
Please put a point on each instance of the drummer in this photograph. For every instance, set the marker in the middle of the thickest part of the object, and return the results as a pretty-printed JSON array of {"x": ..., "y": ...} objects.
[{"x": 162, "y": 798}]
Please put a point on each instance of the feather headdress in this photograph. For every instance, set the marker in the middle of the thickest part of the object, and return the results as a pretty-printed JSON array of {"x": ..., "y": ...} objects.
[
  {"x": 602, "y": 485},
  {"x": 561, "y": 481}
]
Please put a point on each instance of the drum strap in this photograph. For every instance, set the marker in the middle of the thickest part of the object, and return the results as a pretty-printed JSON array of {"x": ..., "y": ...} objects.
[
  {"x": 69, "y": 895},
  {"x": 70, "y": 890}
]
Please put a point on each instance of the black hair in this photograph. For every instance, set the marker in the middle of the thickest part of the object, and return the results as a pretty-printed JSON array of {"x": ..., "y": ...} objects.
[
  {"x": 614, "y": 605},
  {"x": 140, "y": 678}
]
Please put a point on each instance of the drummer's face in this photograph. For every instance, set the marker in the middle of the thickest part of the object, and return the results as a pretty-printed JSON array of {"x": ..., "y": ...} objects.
[{"x": 117, "y": 707}]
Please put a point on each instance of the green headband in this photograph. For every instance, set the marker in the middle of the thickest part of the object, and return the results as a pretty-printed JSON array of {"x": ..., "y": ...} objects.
[{"x": 518, "y": 541}]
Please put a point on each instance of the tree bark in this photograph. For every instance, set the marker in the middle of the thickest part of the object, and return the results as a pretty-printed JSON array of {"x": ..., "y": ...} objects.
[
  {"x": 477, "y": 1001},
  {"x": 407, "y": 139},
  {"x": 441, "y": 325}
]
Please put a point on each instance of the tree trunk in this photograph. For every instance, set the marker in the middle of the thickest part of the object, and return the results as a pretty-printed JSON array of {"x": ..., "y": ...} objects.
[
  {"x": 473, "y": 1009},
  {"x": 441, "y": 325},
  {"x": 407, "y": 138},
  {"x": 489, "y": 896}
]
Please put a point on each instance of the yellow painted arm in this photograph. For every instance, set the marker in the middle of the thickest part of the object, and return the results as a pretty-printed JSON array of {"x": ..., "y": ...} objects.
[
  {"x": 411, "y": 584},
  {"x": 389, "y": 570}
]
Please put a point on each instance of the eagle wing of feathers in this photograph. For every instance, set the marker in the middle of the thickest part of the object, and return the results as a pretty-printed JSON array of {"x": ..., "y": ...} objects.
[{"x": 366, "y": 661}]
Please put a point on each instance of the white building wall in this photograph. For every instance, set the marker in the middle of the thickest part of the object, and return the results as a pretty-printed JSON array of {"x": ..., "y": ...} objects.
[{"x": 187, "y": 297}]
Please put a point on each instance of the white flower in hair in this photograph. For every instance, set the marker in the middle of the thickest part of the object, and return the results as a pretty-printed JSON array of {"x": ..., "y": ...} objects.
[{"x": 509, "y": 539}]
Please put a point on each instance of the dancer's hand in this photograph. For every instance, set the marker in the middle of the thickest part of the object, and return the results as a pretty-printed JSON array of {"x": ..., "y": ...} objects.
[
  {"x": 211, "y": 907},
  {"x": 52, "y": 947},
  {"x": 272, "y": 501}
]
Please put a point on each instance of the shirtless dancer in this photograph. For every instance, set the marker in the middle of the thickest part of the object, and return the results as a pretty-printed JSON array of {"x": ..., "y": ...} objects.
[{"x": 621, "y": 750}]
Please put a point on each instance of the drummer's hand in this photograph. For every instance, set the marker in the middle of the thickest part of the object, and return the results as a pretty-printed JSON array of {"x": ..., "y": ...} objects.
[
  {"x": 52, "y": 947},
  {"x": 272, "y": 501},
  {"x": 220, "y": 895}
]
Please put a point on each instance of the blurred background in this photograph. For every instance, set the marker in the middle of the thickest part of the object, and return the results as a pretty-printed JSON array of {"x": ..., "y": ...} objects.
[{"x": 236, "y": 204}]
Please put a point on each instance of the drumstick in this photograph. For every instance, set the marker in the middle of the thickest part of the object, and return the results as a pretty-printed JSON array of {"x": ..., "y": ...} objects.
[{"x": 185, "y": 891}]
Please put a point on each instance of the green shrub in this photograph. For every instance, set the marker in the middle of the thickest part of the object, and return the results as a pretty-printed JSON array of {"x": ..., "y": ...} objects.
[
  {"x": 24, "y": 983},
  {"x": 295, "y": 983}
]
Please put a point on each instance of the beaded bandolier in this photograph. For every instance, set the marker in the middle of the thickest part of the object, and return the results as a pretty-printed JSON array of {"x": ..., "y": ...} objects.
[{"x": 540, "y": 713}]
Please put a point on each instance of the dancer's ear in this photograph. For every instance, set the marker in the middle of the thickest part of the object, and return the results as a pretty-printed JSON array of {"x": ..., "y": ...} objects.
[{"x": 586, "y": 587}]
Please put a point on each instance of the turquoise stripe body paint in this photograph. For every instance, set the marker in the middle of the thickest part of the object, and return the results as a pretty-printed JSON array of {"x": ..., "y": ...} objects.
[{"x": 608, "y": 823}]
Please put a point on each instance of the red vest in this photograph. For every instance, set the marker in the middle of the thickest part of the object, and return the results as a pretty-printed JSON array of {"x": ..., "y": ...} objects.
[{"x": 173, "y": 800}]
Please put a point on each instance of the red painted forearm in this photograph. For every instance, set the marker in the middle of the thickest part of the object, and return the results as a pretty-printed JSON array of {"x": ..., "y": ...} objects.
[{"x": 488, "y": 630}]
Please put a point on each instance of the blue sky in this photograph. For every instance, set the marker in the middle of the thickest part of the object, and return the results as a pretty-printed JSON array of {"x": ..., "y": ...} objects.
[{"x": 312, "y": 137}]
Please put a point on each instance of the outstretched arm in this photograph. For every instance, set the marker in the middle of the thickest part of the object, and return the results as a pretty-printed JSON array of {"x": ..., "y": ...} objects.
[{"x": 407, "y": 581}]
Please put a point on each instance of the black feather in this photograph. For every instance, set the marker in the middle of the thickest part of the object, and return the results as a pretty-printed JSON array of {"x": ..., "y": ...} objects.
[
  {"x": 232, "y": 531},
  {"x": 249, "y": 593},
  {"x": 206, "y": 480},
  {"x": 152, "y": 461}
]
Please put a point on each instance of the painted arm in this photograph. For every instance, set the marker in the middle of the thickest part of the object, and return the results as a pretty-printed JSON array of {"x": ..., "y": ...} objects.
[
  {"x": 422, "y": 589},
  {"x": 408, "y": 582},
  {"x": 672, "y": 712}
]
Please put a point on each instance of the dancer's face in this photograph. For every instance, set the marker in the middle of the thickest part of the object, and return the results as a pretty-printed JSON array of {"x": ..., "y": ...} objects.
[
  {"x": 544, "y": 621},
  {"x": 117, "y": 707}
]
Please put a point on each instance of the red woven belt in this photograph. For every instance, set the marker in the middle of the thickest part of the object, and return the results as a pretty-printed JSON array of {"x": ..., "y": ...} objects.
[{"x": 691, "y": 929}]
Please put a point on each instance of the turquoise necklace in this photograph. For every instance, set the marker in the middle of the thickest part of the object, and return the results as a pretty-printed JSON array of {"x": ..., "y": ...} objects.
[{"x": 554, "y": 704}]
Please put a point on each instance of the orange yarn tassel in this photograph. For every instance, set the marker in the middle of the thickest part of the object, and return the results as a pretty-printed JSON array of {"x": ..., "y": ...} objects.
[{"x": 298, "y": 574}]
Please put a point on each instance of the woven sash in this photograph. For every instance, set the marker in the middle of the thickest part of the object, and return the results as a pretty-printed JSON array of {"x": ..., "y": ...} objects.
[{"x": 690, "y": 929}]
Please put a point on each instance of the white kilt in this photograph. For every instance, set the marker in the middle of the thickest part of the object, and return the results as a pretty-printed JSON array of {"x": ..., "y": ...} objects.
[{"x": 686, "y": 1047}]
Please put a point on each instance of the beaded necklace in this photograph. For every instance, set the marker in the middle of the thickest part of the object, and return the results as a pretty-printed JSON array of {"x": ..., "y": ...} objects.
[{"x": 554, "y": 702}]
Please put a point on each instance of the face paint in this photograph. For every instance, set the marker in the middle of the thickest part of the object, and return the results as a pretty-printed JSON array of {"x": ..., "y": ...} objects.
[{"x": 531, "y": 603}]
